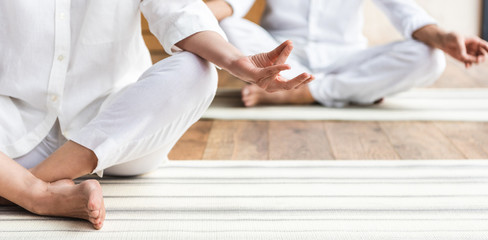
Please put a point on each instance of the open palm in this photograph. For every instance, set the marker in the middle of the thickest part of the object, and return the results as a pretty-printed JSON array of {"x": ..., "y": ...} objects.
[
  {"x": 264, "y": 70},
  {"x": 468, "y": 50}
]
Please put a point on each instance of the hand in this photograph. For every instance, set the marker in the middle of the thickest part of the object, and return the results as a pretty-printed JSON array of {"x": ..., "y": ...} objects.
[
  {"x": 472, "y": 50},
  {"x": 264, "y": 70}
]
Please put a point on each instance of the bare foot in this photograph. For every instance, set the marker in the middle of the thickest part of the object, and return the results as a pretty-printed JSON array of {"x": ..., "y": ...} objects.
[
  {"x": 253, "y": 95},
  {"x": 64, "y": 198},
  {"x": 5, "y": 202}
]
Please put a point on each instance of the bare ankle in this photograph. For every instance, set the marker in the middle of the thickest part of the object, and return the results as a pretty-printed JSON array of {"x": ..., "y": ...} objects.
[{"x": 36, "y": 199}]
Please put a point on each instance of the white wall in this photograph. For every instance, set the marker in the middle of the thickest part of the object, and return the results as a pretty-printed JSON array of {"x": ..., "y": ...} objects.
[{"x": 462, "y": 16}]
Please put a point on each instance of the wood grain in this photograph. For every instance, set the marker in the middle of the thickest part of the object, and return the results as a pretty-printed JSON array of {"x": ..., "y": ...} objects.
[
  {"x": 290, "y": 140},
  {"x": 238, "y": 140},
  {"x": 193, "y": 143},
  {"x": 359, "y": 140},
  {"x": 470, "y": 138},
  {"x": 420, "y": 140}
]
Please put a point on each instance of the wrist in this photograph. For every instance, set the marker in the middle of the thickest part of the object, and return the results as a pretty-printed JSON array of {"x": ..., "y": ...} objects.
[
  {"x": 231, "y": 61},
  {"x": 431, "y": 35}
]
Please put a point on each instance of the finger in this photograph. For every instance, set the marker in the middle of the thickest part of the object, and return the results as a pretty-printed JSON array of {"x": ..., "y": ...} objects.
[
  {"x": 275, "y": 69},
  {"x": 275, "y": 53},
  {"x": 465, "y": 57},
  {"x": 280, "y": 83},
  {"x": 284, "y": 54},
  {"x": 306, "y": 82},
  {"x": 484, "y": 45},
  {"x": 290, "y": 84},
  {"x": 482, "y": 55}
]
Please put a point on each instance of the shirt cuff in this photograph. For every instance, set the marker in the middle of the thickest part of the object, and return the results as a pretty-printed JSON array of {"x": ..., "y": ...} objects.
[
  {"x": 415, "y": 23},
  {"x": 194, "y": 18}
]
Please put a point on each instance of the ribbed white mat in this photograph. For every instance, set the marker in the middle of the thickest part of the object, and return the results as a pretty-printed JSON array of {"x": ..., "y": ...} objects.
[
  {"x": 418, "y": 104},
  {"x": 283, "y": 200}
]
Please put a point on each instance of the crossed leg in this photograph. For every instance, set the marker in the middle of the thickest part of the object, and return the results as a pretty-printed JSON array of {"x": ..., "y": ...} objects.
[
  {"x": 132, "y": 134},
  {"x": 59, "y": 198},
  {"x": 363, "y": 78}
]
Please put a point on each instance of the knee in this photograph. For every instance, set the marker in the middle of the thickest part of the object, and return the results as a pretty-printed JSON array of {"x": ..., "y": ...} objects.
[
  {"x": 430, "y": 62},
  {"x": 227, "y": 23},
  {"x": 193, "y": 78},
  {"x": 436, "y": 64},
  {"x": 202, "y": 79},
  {"x": 231, "y": 23},
  {"x": 198, "y": 82},
  {"x": 200, "y": 74},
  {"x": 433, "y": 59},
  {"x": 198, "y": 71}
]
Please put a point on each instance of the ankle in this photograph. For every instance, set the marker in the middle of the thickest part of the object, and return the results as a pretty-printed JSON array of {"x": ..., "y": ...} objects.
[{"x": 36, "y": 197}]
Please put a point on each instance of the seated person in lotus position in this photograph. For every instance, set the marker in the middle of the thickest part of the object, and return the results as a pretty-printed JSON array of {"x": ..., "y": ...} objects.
[
  {"x": 329, "y": 43},
  {"x": 79, "y": 95}
]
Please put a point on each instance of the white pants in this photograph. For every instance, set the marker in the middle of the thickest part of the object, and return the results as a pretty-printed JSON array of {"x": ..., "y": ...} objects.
[
  {"x": 137, "y": 126},
  {"x": 361, "y": 78}
]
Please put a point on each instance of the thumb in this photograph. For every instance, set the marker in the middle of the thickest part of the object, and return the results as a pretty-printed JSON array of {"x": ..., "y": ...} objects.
[{"x": 280, "y": 52}]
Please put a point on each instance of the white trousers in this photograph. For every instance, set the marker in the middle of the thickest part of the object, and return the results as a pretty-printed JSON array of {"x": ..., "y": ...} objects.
[
  {"x": 361, "y": 77},
  {"x": 137, "y": 126}
]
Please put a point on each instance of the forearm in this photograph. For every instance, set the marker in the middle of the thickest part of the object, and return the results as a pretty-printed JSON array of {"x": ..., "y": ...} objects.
[
  {"x": 262, "y": 69},
  {"x": 431, "y": 35},
  {"x": 220, "y": 8},
  {"x": 212, "y": 47},
  {"x": 16, "y": 182}
]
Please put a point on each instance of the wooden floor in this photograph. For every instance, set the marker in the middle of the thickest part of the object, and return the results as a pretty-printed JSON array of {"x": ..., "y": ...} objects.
[{"x": 341, "y": 140}]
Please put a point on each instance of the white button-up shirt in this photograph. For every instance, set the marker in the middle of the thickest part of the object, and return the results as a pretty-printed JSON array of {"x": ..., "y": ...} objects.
[
  {"x": 325, "y": 30},
  {"x": 60, "y": 59}
]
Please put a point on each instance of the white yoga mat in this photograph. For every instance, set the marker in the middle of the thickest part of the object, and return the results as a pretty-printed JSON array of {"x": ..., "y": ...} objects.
[
  {"x": 283, "y": 200},
  {"x": 415, "y": 105}
]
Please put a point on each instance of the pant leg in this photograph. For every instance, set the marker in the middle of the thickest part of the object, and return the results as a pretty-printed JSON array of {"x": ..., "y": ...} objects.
[
  {"x": 151, "y": 114},
  {"x": 49, "y": 144},
  {"x": 378, "y": 72},
  {"x": 251, "y": 39},
  {"x": 139, "y": 166}
]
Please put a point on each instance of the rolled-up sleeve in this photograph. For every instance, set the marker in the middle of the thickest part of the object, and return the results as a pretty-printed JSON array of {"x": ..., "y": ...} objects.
[
  {"x": 172, "y": 21},
  {"x": 405, "y": 15},
  {"x": 240, "y": 7}
]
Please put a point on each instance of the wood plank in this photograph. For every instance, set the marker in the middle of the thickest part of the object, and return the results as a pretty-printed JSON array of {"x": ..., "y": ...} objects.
[
  {"x": 295, "y": 140},
  {"x": 359, "y": 140},
  {"x": 152, "y": 43},
  {"x": 238, "y": 140},
  {"x": 420, "y": 140},
  {"x": 470, "y": 138},
  {"x": 256, "y": 11},
  {"x": 192, "y": 144}
]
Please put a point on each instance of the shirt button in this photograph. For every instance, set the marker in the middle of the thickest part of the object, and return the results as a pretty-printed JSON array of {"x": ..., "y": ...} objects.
[
  {"x": 60, "y": 58},
  {"x": 54, "y": 98},
  {"x": 62, "y": 16}
]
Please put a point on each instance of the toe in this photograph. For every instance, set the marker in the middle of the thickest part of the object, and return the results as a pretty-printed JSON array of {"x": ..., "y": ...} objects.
[
  {"x": 246, "y": 91},
  {"x": 94, "y": 214},
  {"x": 98, "y": 226}
]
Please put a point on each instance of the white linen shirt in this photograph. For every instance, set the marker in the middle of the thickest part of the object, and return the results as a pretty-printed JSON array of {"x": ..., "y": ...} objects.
[
  {"x": 325, "y": 30},
  {"x": 60, "y": 59}
]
